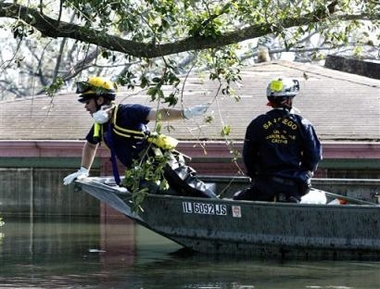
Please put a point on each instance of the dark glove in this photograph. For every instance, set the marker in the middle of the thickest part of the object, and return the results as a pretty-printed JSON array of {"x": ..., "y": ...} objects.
[
  {"x": 304, "y": 184},
  {"x": 252, "y": 175}
]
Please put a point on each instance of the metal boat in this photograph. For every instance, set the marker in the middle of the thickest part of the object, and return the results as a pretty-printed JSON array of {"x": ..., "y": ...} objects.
[{"x": 251, "y": 228}]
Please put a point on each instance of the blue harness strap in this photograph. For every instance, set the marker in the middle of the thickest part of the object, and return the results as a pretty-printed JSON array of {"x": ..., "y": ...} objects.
[{"x": 115, "y": 169}]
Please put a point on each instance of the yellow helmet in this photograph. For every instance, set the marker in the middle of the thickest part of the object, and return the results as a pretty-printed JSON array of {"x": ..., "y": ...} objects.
[{"x": 96, "y": 86}]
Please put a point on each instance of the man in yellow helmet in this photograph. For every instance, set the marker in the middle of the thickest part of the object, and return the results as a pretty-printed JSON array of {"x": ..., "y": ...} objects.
[
  {"x": 122, "y": 127},
  {"x": 281, "y": 149}
]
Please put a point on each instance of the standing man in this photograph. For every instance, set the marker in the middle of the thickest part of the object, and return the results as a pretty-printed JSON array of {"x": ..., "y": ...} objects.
[
  {"x": 122, "y": 127},
  {"x": 281, "y": 150}
]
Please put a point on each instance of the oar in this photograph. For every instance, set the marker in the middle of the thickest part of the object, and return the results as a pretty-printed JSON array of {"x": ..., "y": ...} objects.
[{"x": 346, "y": 198}]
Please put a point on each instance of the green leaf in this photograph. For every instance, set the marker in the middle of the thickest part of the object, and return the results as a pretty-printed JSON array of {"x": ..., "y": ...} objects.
[
  {"x": 56, "y": 85},
  {"x": 226, "y": 130}
]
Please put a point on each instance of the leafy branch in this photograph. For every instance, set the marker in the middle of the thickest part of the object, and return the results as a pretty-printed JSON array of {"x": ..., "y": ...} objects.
[
  {"x": 146, "y": 175},
  {"x": 50, "y": 27}
]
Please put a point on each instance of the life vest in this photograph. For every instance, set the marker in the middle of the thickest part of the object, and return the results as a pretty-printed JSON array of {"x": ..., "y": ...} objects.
[
  {"x": 160, "y": 140},
  {"x": 123, "y": 132}
]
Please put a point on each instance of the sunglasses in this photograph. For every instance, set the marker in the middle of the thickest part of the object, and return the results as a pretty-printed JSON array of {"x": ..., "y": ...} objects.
[{"x": 84, "y": 87}]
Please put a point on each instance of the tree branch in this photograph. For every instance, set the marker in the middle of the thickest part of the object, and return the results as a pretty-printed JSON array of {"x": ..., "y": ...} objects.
[{"x": 52, "y": 28}]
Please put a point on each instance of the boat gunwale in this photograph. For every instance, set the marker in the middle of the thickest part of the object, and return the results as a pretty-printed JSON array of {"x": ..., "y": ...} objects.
[{"x": 121, "y": 191}]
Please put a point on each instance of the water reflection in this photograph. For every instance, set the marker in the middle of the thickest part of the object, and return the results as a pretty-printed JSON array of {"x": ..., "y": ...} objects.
[{"x": 93, "y": 253}]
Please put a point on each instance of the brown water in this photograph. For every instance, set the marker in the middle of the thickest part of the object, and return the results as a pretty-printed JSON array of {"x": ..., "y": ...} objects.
[{"x": 93, "y": 253}]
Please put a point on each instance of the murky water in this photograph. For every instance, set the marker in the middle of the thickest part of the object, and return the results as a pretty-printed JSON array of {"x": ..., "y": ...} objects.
[{"x": 93, "y": 253}]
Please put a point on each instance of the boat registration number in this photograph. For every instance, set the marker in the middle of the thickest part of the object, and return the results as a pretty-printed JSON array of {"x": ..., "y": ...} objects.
[{"x": 204, "y": 209}]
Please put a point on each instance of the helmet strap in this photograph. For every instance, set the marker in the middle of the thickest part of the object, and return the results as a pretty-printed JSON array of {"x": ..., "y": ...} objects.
[
  {"x": 105, "y": 101},
  {"x": 287, "y": 103},
  {"x": 97, "y": 105}
]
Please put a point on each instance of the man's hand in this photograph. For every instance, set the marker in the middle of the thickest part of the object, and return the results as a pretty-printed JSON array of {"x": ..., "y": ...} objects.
[
  {"x": 80, "y": 174},
  {"x": 196, "y": 110}
]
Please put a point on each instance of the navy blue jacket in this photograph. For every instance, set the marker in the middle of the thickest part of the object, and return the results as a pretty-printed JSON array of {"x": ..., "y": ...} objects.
[{"x": 283, "y": 144}]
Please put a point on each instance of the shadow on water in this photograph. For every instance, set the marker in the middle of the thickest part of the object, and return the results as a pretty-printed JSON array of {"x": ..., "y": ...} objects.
[{"x": 98, "y": 253}]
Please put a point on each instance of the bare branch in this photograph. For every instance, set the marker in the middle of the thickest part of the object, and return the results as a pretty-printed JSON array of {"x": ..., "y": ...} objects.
[{"x": 80, "y": 66}]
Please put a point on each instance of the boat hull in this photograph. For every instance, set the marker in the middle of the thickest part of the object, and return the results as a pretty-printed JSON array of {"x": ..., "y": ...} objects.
[{"x": 274, "y": 230}]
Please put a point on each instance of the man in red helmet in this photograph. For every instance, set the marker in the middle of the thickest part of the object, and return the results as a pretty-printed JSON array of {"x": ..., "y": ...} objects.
[
  {"x": 281, "y": 149},
  {"x": 123, "y": 127}
]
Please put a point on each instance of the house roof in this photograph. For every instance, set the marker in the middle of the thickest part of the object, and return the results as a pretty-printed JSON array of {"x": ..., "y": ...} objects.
[{"x": 342, "y": 107}]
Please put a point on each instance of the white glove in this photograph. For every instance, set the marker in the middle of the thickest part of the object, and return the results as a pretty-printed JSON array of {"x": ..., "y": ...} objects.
[
  {"x": 80, "y": 174},
  {"x": 196, "y": 110}
]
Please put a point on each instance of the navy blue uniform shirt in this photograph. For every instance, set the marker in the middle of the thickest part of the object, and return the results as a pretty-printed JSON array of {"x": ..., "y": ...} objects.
[
  {"x": 281, "y": 144},
  {"x": 131, "y": 117}
]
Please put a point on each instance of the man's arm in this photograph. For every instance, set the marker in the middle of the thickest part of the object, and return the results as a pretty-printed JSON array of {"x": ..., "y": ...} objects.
[
  {"x": 312, "y": 154},
  {"x": 88, "y": 154},
  {"x": 166, "y": 114}
]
